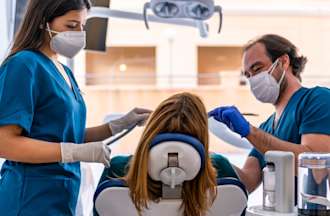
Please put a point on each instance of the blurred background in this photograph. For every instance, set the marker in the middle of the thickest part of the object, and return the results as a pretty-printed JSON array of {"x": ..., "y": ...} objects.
[
  {"x": 127, "y": 66},
  {"x": 137, "y": 67}
]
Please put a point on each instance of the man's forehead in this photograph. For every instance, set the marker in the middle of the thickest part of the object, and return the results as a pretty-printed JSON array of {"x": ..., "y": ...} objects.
[{"x": 256, "y": 53}]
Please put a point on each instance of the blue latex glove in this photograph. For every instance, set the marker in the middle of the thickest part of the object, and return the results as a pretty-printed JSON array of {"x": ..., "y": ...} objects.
[{"x": 231, "y": 117}]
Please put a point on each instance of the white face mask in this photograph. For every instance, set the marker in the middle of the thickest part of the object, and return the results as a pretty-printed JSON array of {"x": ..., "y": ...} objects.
[
  {"x": 265, "y": 87},
  {"x": 67, "y": 43}
]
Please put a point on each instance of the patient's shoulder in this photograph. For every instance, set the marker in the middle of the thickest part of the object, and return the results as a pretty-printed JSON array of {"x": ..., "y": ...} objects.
[
  {"x": 222, "y": 166},
  {"x": 120, "y": 159},
  {"x": 118, "y": 166}
]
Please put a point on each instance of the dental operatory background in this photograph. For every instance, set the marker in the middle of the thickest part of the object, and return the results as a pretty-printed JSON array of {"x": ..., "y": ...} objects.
[{"x": 126, "y": 66}]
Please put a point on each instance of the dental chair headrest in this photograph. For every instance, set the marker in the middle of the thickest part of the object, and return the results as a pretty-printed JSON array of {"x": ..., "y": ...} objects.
[
  {"x": 175, "y": 158},
  {"x": 171, "y": 155}
]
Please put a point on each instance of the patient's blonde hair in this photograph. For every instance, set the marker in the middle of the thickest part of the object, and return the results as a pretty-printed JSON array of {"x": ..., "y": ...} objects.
[{"x": 181, "y": 113}]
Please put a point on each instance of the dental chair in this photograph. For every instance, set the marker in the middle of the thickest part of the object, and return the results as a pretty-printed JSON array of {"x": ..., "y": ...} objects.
[{"x": 173, "y": 159}]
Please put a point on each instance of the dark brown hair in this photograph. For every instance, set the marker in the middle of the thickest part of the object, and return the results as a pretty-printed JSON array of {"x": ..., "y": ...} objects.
[
  {"x": 276, "y": 46},
  {"x": 181, "y": 113},
  {"x": 30, "y": 35}
]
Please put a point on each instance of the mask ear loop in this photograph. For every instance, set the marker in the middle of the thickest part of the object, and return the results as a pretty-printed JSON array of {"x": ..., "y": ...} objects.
[
  {"x": 283, "y": 73},
  {"x": 273, "y": 67},
  {"x": 50, "y": 31},
  {"x": 282, "y": 77}
]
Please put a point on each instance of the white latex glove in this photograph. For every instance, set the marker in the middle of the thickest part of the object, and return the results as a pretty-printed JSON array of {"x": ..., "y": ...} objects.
[
  {"x": 137, "y": 116},
  {"x": 87, "y": 152}
]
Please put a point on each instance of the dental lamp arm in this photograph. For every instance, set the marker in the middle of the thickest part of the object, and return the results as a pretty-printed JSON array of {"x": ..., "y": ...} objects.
[
  {"x": 104, "y": 12},
  {"x": 203, "y": 28},
  {"x": 219, "y": 10},
  {"x": 145, "y": 11}
]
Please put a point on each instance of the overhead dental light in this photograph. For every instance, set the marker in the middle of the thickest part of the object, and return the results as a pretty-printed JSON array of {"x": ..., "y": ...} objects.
[
  {"x": 107, "y": 12},
  {"x": 199, "y": 10}
]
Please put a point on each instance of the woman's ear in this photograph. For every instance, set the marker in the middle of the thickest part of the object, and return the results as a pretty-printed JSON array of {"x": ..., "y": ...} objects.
[{"x": 43, "y": 24}]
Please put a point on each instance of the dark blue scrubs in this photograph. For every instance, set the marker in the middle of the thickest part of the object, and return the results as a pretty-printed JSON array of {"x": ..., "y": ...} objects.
[
  {"x": 35, "y": 96},
  {"x": 307, "y": 112}
]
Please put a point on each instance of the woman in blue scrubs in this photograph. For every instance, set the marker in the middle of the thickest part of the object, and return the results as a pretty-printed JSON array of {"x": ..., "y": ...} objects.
[{"x": 43, "y": 115}]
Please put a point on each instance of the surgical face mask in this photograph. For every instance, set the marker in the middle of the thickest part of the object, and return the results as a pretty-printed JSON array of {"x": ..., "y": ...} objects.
[
  {"x": 265, "y": 87},
  {"x": 67, "y": 43}
]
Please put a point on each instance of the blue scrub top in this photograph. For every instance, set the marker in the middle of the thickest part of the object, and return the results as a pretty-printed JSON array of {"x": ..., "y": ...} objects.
[
  {"x": 35, "y": 96},
  {"x": 307, "y": 112}
]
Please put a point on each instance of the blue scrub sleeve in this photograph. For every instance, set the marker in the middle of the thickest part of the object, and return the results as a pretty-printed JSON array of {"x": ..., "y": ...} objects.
[
  {"x": 17, "y": 94},
  {"x": 316, "y": 113},
  {"x": 260, "y": 157}
]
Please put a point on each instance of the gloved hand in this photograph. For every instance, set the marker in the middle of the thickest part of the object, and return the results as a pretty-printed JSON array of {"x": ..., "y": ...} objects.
[
  {"x": 232, "y": 118},
  {"x": 136, "y": 116},
  {"x": 86, "y": 152}
]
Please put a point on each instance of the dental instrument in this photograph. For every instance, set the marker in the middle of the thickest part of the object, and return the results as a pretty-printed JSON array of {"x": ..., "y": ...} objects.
[
  {"x": 315, "y": 199},
  {"x": 118, "y": 136}
]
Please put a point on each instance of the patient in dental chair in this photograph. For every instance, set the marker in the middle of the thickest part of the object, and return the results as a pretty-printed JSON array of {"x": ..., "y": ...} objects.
[{"x": 181, "y": 113}]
